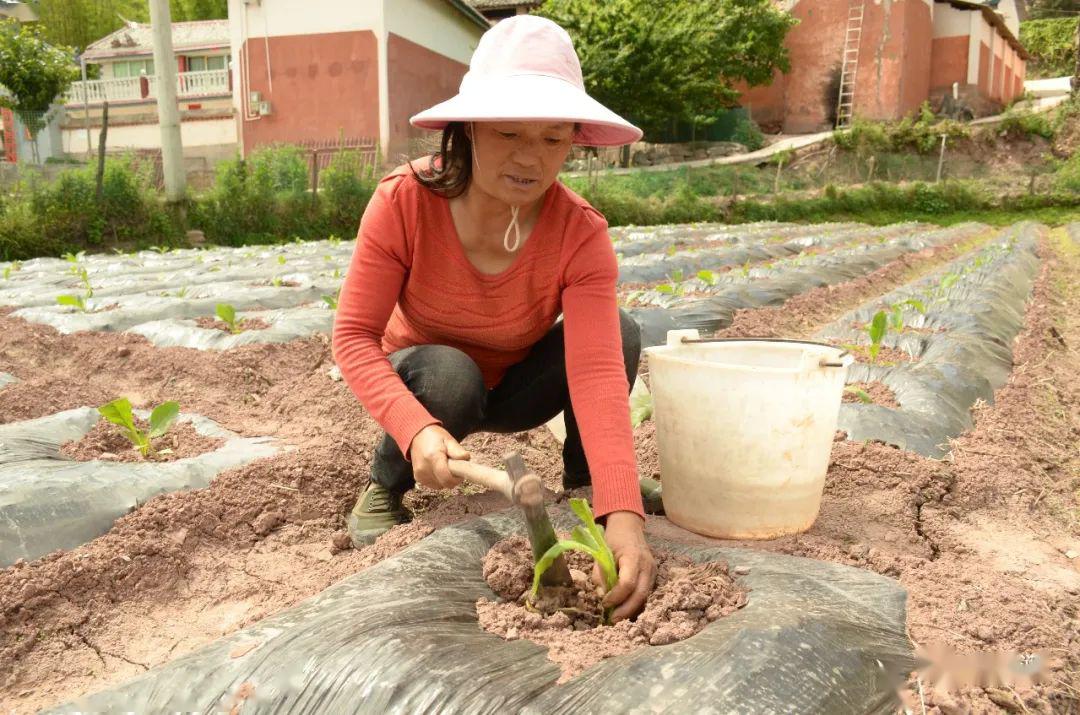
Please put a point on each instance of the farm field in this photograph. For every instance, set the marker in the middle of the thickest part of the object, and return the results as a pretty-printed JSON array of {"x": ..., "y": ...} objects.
[{"x": 955, "y": 474}]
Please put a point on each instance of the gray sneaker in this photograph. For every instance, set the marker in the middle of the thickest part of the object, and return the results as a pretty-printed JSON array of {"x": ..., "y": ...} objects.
[{"x": 377, "y": 511}]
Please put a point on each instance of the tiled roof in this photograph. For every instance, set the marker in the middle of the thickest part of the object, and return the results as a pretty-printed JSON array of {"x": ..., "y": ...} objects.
[{"x": 136, "y": 39}]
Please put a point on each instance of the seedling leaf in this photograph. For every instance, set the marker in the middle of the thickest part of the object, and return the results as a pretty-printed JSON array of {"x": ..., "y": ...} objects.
[
  {"x": 877, "y": 328},
  {"x": 666, "y": 288},
  {"x": 227, "y": 313},
  {"x": 641, "y": 408},
  {"x": 162, "y": 418},
  {"x": 863, "y": 395},
  {"x": 588, "y": 537},
  {"x": 707, "y": 277},
  {"x": 118, "y": 412},
  {"x": 75, "y": 301}
]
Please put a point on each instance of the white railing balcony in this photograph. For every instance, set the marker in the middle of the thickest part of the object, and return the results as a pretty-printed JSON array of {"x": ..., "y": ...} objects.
[{"x": 133, "y": 89}]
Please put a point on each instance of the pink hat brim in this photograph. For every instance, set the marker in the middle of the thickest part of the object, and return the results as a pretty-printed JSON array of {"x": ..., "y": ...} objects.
[{"x": 534, "y": 98}]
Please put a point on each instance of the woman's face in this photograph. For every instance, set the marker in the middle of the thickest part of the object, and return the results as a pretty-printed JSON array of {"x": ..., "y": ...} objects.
[{"x": 516, "y": 162}]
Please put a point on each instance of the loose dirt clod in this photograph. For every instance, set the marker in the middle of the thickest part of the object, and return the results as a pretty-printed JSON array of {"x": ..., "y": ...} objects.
[
  {"x": 105, "y": 441},
  {"x": 688, "y": 596}
]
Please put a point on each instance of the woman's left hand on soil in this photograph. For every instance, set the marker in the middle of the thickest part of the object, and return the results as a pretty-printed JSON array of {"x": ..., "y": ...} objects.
[{"x": 625, "y": 534}]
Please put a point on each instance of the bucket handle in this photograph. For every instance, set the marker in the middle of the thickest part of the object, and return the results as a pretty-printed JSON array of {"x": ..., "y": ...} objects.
[{"x": 822, "y": 363}]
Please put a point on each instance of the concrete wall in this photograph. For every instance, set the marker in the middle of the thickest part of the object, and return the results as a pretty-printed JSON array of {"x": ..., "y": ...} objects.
[{"x": 209, "y": 137}]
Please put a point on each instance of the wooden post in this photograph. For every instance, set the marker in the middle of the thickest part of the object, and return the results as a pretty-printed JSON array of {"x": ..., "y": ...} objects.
[
  {"x": 99, "y": 179},
  {"x": 941, "y": 159}
]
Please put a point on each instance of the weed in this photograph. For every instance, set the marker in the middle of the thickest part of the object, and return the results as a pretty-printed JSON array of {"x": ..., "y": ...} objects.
[
  {"x": 587, "y": 537},
  {"x": 227, "y": 313},
  {"x": 119, "y": 413}
]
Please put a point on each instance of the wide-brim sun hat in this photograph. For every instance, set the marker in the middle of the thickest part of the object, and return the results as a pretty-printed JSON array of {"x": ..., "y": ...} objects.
[{"x": 525, "y": 68}]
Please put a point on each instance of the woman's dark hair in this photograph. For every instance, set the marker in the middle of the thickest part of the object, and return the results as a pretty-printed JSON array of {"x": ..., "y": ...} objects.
[{"x": 450, "y": 169}]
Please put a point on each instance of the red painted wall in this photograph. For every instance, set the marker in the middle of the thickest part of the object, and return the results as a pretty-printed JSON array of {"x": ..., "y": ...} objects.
[
  {"x": 984, "y": 68},
  {"x": 948, "y": 62},
  {"x": 1007, "y": 89},
  {"x": 894, "y": 59},
  {"x": 324, "y": 85},
  {"x": 816, "y": 45},
  {"x": 418, "y": 79},
  {"x": 995, "y": 90},
  {"x": 766, "y": 104}
]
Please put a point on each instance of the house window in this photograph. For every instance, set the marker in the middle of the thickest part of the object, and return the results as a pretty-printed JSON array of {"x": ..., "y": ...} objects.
[
  {"x": 133, "y": 68},
  {"x": 205, "y": 64}
]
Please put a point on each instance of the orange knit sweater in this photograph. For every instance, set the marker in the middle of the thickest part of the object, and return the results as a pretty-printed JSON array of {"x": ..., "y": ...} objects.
[{"x": 410, "y": 283}]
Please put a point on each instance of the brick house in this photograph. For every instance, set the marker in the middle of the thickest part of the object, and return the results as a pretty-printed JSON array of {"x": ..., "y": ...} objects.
[
  {"x": 905, "y": 52},
  {"x": 323, "y": 70}
]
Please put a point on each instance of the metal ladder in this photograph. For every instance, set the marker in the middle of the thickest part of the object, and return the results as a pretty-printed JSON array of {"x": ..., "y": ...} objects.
[{"x": 845, "y": 105}]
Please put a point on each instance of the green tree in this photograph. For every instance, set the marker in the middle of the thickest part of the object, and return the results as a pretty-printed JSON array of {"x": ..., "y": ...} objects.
[
  {"x": 655, "y": 62},
  {"x": 188, "y": 10},
  {"x": 1042, "y": 9},
  {"x": 33, "y": 72},
  {"x": 78, "y": 23},
  {"x": 1052, "y": 44}
]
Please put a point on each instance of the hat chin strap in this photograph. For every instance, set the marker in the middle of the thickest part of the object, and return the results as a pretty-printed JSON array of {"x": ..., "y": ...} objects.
[
  {"x": 516, "y": 229},
  {"x": 513, "y": 226}
]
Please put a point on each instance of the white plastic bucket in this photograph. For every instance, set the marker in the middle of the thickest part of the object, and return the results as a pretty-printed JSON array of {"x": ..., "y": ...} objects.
[{"x": 744, "y": 429}]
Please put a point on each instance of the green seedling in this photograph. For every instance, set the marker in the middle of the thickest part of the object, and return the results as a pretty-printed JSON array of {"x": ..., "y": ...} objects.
[
  {"x": 877, "y": 328},
  {"x": 119, "y": 413},
  {"x": 7, "y": 272},
  {"x": 281, "y": 260},
  {"x": 332, "y": 300},
  {"x": 587, "y": 537},
  {"x": 227, "y": 313},
  {"x": 641, "y": 408},
  {"x": 863, "y": 395},
  {"x": 160, "y": 249},
  {"x": 916, "y": 304},
  {"x": 948, "y": 282},
  {"x": 677, "y": 275},
  {"x": 707, "y": 277},
  {"x": 337, "y": 273},
  {"x": 297, "y": 239},
  {"x": 328, "y": 258},
  {"x": 896, "y": 318},
  {"x": 85, "y": 278},
  {"x": 75, "y": 301},
  {"x": 334, "y": 240},
  {"x": 745, "y": 269},
  {"x": 276, "y": 282},
  {"x": 74, "y": 257},
  {"x": 671, "y": 251}
]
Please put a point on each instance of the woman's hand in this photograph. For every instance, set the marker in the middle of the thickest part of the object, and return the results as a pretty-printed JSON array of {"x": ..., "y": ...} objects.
[
  {"x": 429, "y": 452},
  {"x": 625, "y": 533}
]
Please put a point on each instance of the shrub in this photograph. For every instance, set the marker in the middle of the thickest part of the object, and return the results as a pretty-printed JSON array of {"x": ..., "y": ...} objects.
[
  {"x": 344, "y": 191},
  {"x": 263, "y": 199},
  {"x": 1067, "y": 178},
  {"x": 748, "y": 134},
  {"x": 1021, "y": 122},
  {"x": 1051, "y": 44},
  {"x": 921, "y": 132}
]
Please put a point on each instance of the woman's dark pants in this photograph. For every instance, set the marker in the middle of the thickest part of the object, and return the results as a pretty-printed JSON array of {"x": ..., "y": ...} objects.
[{"x": 448, "y": 383}]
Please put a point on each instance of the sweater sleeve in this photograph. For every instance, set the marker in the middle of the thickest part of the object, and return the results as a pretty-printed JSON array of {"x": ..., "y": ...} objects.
[
  {"x": 595, "y": 371},
  {"x": 377, "y": 272}
]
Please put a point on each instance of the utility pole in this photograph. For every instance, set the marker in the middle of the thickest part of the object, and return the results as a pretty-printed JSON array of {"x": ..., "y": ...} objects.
[{"x": 172, "y": 151}]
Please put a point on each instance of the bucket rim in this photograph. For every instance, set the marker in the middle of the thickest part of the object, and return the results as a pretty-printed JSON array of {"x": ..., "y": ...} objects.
[{"x": 667, "y": 352}]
